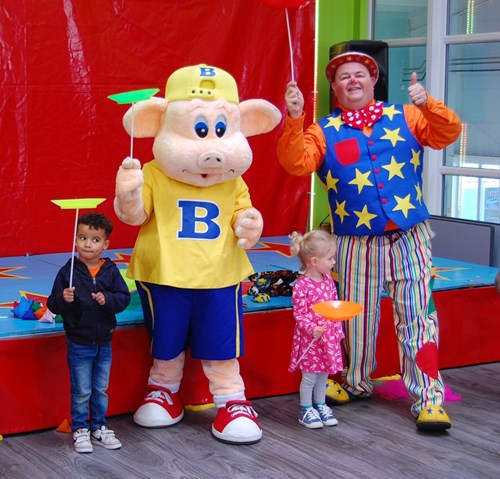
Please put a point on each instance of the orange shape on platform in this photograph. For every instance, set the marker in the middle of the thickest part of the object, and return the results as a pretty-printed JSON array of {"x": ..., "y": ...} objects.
[
  {"x": 64, "y": 427},
  {"x": 337, "y": 310}
]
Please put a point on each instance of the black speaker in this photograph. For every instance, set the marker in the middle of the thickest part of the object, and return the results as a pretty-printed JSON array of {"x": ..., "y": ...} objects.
[{"x": 379, "y": 51}]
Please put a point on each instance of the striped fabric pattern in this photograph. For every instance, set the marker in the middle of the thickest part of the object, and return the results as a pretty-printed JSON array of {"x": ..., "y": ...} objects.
[{"x": 400, "y": 264}]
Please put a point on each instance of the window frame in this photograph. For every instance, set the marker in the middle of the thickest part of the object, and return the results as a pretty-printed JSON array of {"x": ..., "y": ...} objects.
[{"x": 437, "y": 42}]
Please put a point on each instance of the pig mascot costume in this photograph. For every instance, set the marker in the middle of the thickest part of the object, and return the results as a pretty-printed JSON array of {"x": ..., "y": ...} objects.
[{"x": 196, "y": 220}]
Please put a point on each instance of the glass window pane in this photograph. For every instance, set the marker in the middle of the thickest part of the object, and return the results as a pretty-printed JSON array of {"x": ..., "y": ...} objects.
[
  {"x": 473, "y": 16},
  {"x": 471, "y": 198},
  {"x": 402, "y": 62},
  {"x": 399, "y": 19},
  {"x": 474, "y": 93}
]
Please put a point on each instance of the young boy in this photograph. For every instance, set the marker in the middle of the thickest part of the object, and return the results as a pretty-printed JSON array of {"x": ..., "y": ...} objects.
[{"x": 88, "y": 308}]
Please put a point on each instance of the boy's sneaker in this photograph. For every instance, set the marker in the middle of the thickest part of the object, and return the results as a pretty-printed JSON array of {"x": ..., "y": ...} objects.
[
  {"x": 106, "y": 438},
  {"x": 310, "y": 418},
  {"x": 326, "y": 414},
  {"x": 81, "y": 441}
]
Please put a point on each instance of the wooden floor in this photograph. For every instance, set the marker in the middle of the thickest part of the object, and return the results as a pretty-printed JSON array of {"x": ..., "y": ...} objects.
[{"x": 375, "y": 439}]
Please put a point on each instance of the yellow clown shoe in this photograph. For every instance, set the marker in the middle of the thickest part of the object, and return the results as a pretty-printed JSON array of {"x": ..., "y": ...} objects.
[
  {"x": 335, "y": 393},
  {"x": 433, "y": 418}
]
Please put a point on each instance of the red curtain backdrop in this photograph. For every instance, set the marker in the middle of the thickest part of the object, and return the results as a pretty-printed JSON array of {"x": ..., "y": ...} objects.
[{"x": 60, "y": 137}]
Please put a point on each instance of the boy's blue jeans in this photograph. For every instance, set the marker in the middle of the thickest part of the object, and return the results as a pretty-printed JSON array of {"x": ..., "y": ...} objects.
[{"x": 89, "y": 368}]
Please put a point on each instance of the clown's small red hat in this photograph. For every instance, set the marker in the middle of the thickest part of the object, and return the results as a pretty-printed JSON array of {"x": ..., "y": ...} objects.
[{"x": 350, "y": 57}]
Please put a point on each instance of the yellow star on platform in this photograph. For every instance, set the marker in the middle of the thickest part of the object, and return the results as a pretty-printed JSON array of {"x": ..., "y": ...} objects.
[
  {"x": 392, "y": 136},
  {"x": 340, "y": 210},
  {"x": 335, "y": 121},
  {"x": 403, "y": 205},
  {"x": 415, "y": 158},
  {"x": 419, "y": 193},
  {"x": 361, "y": 180},
  {"x": 394, "y": 168},
  {"x": 390, "y": 111},
  {"x": 331, "y": 182},
  {"x": 364, "y": 217},
  {"x": 438, "y": 270}
]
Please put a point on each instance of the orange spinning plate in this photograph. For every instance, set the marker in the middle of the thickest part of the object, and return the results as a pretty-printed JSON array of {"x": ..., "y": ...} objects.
[{"x": 337, "y": 310}]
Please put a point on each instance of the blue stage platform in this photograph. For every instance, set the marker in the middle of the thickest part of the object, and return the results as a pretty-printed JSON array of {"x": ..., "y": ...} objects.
[{"x": 32, "y": 277}]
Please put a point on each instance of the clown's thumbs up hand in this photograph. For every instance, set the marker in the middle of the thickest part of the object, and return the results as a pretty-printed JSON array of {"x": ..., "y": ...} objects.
[
  {"x": 248, "y": 227},
  {"x": 128, "y": 203},
  {"x": 417, "y": 92}
]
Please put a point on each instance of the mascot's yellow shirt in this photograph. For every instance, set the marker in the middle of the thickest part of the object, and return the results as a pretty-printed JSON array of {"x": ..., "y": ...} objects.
[{"x": 188, "y": 240}]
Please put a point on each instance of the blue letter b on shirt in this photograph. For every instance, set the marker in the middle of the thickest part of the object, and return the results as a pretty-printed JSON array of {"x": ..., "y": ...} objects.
[{"x": 198, "y": 220}]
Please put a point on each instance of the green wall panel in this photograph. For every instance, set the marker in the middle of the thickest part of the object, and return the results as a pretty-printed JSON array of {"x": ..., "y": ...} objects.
[{"x": 338, "y": 21}]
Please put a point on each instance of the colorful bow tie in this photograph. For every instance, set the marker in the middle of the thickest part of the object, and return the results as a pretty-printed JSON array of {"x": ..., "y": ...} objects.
[{"x": 366, "y": 116}]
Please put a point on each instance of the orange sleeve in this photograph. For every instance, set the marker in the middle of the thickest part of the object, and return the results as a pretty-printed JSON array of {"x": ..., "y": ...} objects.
[
  {"x": 301, "y": 153},
  {"x": 434, "y": 124}
]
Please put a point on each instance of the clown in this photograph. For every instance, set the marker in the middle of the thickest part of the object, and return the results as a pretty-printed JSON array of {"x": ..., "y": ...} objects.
[
  {"x": 196, "y": 221},
  {"x": 369, "y": 156}
]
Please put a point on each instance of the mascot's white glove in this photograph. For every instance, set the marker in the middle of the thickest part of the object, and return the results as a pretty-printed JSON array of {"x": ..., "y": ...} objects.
[
  {"x": 248, "y": 227},
  {"x": 129, "y": 206}
]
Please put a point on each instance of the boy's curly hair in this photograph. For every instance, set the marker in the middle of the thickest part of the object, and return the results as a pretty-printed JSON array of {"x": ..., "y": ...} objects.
[{"x": 97, "y": 221}]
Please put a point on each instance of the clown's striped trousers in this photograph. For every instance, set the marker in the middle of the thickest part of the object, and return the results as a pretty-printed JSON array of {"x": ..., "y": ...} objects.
[{"x": 400, "y": 264}]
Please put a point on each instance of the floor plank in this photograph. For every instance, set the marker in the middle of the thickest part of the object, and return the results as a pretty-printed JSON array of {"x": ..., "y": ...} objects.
[{"x": 375, "y": 438}]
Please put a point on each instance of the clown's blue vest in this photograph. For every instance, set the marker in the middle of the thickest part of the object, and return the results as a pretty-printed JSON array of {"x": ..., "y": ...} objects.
[{"x": 370, "y": 180}]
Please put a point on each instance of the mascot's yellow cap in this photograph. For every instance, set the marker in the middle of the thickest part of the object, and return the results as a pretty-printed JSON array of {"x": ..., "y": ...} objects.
[{"x": 203, "y": 82}]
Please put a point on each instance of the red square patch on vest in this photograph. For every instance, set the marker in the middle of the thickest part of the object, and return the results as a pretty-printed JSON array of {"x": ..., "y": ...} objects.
[{"x": 347, "y": 151}]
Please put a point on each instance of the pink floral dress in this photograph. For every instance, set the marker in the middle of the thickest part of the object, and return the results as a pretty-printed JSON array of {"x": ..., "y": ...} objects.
[{"x": 325, "y": 354}]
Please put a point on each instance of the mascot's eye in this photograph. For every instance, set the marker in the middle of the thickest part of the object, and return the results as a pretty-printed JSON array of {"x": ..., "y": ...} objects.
[
  {"x": 220, "y": 129},
  {"x": 201, "y": 129}
]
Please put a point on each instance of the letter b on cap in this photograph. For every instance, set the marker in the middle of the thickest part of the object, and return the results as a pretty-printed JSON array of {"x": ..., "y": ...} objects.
[{"x": 207, "y": 72}]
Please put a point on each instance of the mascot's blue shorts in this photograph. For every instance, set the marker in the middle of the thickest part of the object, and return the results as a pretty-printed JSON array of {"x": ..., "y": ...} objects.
[{"x": 209, "y": 321}]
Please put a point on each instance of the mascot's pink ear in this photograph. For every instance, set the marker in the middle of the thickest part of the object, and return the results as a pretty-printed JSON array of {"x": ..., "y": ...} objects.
[
  {"x": 258, "y": 116},
  {"x": 147, "y": 117}
]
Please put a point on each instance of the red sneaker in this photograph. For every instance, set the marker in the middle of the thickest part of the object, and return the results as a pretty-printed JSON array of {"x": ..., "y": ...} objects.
[
  {"x": 236, "y": 423},
  {"x": 160, "y": 408}
]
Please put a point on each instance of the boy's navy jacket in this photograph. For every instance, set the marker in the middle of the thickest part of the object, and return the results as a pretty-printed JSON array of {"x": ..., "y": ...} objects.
[{"x": 85, "y": 320}]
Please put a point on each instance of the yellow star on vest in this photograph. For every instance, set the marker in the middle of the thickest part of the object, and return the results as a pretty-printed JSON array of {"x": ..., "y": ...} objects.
[
  {"x": 361, "y": 180},
  {"x": 419, "y": 193},
  {"x": 331, "y": 182},
  {"x": 335, "y": 121},
  {"x": 403, "y": 205},
  {"x": 392, "y": 136},
  {"x": 364, "y": 217},
  {"x": 415, "y": 158},
  {"x": 394, "y": 168},
  {"x": 390, "y": 111},
  {"x": 340, "y": 210}
]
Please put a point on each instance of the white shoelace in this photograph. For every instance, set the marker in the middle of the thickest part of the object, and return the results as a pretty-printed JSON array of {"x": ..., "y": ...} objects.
[
  {"x": 234, "y": 409},
  {"x": 161, "y": 395},
  {"x": 325, "y": 411},
  {"x": 311, "y": 414}
]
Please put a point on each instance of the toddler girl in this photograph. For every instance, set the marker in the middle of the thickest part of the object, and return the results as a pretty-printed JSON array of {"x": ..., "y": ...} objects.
[{"x": 316, "y": 349}]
